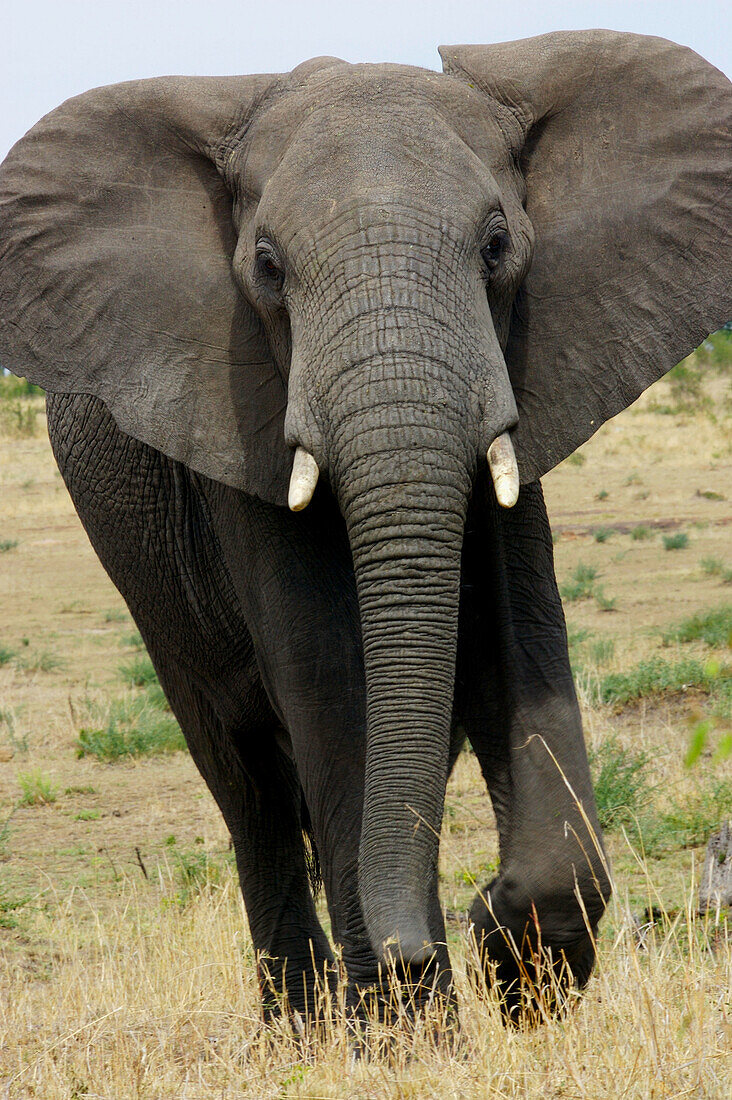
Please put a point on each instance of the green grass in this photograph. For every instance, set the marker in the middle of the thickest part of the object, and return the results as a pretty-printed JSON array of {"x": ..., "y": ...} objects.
[
  {"x": 7, "y": 544},
  {"x": 714, "y": 628},
  {"x": 687, "y": 824},
  {"x": 131, "y": 727},
  {"x": 658, "y": 677},
  {"x": 36, "y": 789},
  {"x": 713, "y": 567},
  {"x": 6, "y": 654},
  {"x": 621, "y": 783},
  {"x": 601, "y": 650},
  {"x": 581, "y": 584},
  {"x": 576, "y": 459},
  {"x": 605, "y": 603},
  {"x": 88, "y": 815},
  {"x": 40, "y": 661},
  {"x": 602, "y": 534},
  {"x": 679, "y": 541},
  {"x": 139, "y": 672},
  {"x": 18, "y": 418},
  {"x": 196, "y": 872},
  {"x": 14, "y": 387},
  {"x": 641, "y": 532},
  {"x": 8, "y": 908},
  {"x": 115, "y": 615}
]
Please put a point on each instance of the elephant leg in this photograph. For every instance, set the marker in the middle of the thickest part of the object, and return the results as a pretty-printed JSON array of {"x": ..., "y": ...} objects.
[
  {"x": 294, "y": 578},
  {"x": 148, "y": 522},
  {"x": 515, "y": 699},
  {"x": 256, "y": 787}
]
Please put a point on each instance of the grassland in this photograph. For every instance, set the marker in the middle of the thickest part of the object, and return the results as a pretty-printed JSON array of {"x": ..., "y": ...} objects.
[{"x": 126, "y": 968}]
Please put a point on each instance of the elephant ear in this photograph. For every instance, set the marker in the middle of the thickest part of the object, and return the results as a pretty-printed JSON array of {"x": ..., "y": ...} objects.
[
  {"x": 624, "y": 144},
  {"x": 116, "y": 241}
]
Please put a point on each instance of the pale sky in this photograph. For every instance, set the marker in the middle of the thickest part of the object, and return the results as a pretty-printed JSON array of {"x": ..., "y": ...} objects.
[{"x": 54, "y": 49}]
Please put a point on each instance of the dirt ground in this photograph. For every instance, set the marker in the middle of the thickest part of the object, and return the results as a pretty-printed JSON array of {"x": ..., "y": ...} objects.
[{"x": 110, "y": 840}]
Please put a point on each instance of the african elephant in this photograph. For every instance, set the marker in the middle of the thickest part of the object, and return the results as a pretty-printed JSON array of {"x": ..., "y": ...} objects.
[{"x": 394, "y": 294}]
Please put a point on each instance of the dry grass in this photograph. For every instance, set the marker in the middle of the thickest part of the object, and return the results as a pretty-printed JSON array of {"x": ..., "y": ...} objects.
[
  {"x": 155, "y": 1001},
  {"x": 117, "y": 985}
]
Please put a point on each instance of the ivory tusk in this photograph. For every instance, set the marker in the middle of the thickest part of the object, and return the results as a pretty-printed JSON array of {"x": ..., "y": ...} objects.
[
  {"x": 504, "y": 470},
  {"x": 303, "y": 480}
]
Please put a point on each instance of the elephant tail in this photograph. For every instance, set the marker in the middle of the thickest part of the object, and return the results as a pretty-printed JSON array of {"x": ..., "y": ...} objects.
[{"x": 312, "y": 859}]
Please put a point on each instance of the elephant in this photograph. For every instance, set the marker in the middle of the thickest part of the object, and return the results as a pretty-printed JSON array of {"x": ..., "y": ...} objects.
[{"x": 392, "y": 299}]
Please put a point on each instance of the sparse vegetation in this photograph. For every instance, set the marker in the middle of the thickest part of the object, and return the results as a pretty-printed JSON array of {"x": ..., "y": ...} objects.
[
  {"x": 131, "y": 727},
  {"x": 714, "y": 628},
  {"x": 196, "y": 871},
  {"x": 713, "y": 567},
  {"x": 678, "y": 541},
  {"x": 115, "y": 615},
  {"x": 621, "y": 783},
  {"x": 139, "y": 672},
  {"x": 126, "y": 975},
  {"x": 6, "y": 654},
  {"x": 36, "y": 789},
  {"x": 602, "y": 534},
  {"x": 576, "y": 459},
  {"x": 7, "y": 544},
  {"x": 658, "y": 677},
  {"x": 41, "y": 660},
  {"x": 581, "y": 584}
]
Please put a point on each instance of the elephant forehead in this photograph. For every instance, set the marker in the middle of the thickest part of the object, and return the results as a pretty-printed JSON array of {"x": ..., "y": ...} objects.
[{"x": 354, "y": 129}]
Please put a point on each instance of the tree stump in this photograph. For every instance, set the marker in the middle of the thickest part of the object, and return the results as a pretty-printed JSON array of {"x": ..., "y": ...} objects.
[{"x": 715, "y": 888}]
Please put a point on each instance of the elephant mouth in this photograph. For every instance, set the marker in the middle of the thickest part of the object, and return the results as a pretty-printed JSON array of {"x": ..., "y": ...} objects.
[{"x": 501, "y": 463}]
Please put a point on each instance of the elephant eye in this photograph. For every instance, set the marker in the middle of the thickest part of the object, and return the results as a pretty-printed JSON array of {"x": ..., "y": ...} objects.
[
  {"x": 493, "y": 251},
  {"x": 267, "y": 265}
]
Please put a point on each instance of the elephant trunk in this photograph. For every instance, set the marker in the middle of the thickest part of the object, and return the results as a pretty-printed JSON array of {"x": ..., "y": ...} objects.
[{"x": 403, "y": 489}]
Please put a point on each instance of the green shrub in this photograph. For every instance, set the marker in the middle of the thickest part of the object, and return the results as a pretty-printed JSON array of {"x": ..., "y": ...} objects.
[
  {"x": 576, "y": 459},
  {"x": 6, "y": 654},
  {"x": 198, "y": 872},
  {"x": 139, "y": 672},
  {"x": 602, "y": 650},
  {"x": 132, "y": 727},
  {"x": 8, "y": 907},
  {"x": 687, "y": 824},
  {"x": 7, "y": 544},
  {"x": 620, "y": 782},
  {"x": 605, "y": 603},
  {"x": 40, "y": 661},
  {"x": 36, "y": 789},
  {"x": 581, "y": 584},
  {"x": 679, "y": 541},
  {"x": 657, "y": 677},
  {"x": 713, "y": 567},
  {"x": 712, "y": 627},
  {"x": 13, "y": 387},
  {"x": 602, "y": 534},
  {"x": 640, "y": 533},
  {"x": 115, "y": 615},
  {"x": 18, "y": 418}
]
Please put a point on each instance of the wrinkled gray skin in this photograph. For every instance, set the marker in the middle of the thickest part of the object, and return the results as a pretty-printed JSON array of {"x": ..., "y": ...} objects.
[{"x": 326, "y": 667}]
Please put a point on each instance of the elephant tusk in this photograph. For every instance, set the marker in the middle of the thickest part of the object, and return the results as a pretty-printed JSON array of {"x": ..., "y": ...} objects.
[
  {"x": 303, "y": 480},
  {"x": 504, "y": 470}
]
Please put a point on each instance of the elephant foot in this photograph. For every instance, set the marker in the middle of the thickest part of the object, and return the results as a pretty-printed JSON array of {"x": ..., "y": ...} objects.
[
  {"x": 406, "y": 1003},
  {"x": 535, "y": 960}
]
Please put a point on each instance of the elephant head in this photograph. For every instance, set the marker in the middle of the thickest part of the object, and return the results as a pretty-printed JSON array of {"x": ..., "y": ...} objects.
[{"x": 380, "y": 276}]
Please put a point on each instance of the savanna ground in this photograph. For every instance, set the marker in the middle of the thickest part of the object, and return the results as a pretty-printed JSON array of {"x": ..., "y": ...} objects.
[{"x": 126, "y": 967}]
